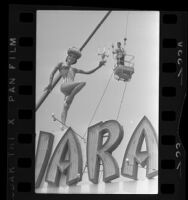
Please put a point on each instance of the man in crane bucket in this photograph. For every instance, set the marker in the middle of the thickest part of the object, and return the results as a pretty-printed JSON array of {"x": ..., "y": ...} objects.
[
  {"x": 70, "y": 88},
  {"x": 120, "y": 53}
]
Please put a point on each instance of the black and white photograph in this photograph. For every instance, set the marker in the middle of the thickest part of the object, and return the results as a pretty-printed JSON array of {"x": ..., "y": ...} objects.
[{"x": 97, "y": 102}]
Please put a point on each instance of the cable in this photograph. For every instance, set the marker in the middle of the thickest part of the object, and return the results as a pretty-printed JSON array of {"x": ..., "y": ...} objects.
[
  {"x": 99, "y": 103},
  {"x": 126, "y": 25},
  {"x": 121, "y": 101},
  {"x": 125, "y": 82}
]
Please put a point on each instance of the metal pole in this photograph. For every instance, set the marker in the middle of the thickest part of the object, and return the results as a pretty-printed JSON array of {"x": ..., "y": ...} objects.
[
  {"x": 45, "y": 95},
  {"x": 97, "y": 27}
]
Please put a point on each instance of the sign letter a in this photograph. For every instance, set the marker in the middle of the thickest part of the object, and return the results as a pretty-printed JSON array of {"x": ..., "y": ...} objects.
[
  {"x": 68, "y": 146},
  {"x": 134, "y": 156}
]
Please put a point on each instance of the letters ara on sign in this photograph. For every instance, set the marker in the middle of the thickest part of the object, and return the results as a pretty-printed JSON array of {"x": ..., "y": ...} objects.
[{"x": 67, "y": 157}]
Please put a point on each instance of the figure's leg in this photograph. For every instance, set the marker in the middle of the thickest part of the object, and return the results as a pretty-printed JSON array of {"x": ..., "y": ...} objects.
[
  {"x": 67, "y": 88},
  {"x": 77, "y": 89},
  {"x": 68, "y": 100},
  {"x": 64, "y": 111}
]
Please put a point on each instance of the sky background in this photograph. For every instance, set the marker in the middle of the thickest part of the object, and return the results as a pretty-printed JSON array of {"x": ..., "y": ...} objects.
[{"x": 59, "y": 30}]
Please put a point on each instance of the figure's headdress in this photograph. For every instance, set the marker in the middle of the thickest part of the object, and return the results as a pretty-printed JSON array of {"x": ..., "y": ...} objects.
[{"x": 75, "y": 52}]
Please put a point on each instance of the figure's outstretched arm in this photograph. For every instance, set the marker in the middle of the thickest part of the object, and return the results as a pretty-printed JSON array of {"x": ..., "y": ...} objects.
[
  {"x": 80, "y": 71},
  {"x": 52, "y": 76}
]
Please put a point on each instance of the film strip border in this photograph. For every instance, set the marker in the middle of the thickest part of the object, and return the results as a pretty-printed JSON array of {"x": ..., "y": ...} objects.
[
  {"x": 21, "y": 105},
  {"x": 21, "y": 102},
  {"x": 172, "y": 90}
]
